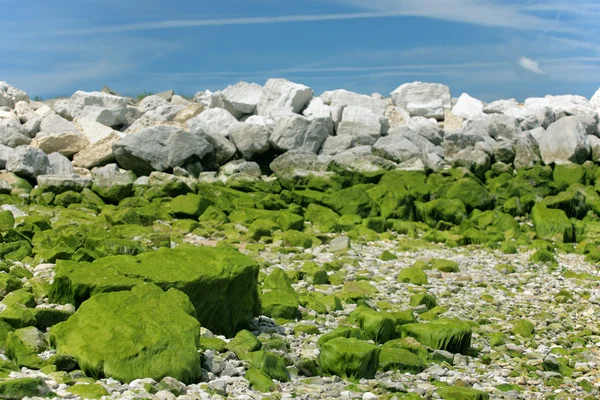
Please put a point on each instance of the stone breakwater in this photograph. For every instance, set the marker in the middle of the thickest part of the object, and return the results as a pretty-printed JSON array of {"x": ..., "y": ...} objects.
[{"x": 262, "y": 242}]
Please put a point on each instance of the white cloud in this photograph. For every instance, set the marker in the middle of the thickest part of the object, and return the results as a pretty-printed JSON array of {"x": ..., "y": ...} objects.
[{"x": 531, "y": 65}]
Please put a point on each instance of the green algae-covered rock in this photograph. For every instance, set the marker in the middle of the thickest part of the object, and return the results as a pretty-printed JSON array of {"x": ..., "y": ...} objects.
[
  {"x": 565, "y": 175},
  {"x": 153, "y": 334},
  {"x": 260, "y": 381},
  {"x": 15, "y": 251},
  {"x": 461, "y": 393},
  {"x": 9, "y": 283},
  {"x": 18, "y": 316},
  {"x": 472, "y": 193},
  {"x": 7, "y": 220},
  {"x": 396, "y": 359},
  {"x": 553, "y": 225},
  {"x": 313, "y": 274},
  {"x": 445, "y": 265},
  {"x": 299, "y": 239},
  {"x": 442, "y": 334},
  {"x": 278, "y": 298},
  {"x": 344, "y": 332},
  {"x": 189, "y": 206},
  {"x": 47, "y": 317},
  {"x": 349, "y": 358},
  {"x": 423, "y": 299},
  {"x": 88, "y": 390},
  {"x": 414, "y": 182},
  {"x": 524, "y": 328},
  {"x": 244, "y": 342},
  {"x": 23, "y": 387},
  {"x": 212, "y": 216},
  {"x": 220, "y": 282},
  {"x": 271, "y": 364},
  {"x": 353, "y": 201},
  {"x": 287, "y": 220},
  {"x": 377, "y": 326},
  {"x": 448, "y": 210},
  {"x": 413, "y": 275},
  {"x": 322, "y": 218},
  {"x": 23, "y": 346}
]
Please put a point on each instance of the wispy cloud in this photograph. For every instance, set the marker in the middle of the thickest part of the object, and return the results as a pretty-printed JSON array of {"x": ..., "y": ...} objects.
[
  {"x": 530, "y": 65},
  {"x": 479, "y": 12}
]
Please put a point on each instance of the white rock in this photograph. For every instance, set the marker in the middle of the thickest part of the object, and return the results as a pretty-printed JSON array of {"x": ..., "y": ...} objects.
[
  {"x": 360, "y": 121},
  {"x": 224, "y": 150},
  {"x": 149, "y": 119},
  {"x": 427, "y": 128},
  {"x": 59, "y": 164},
  {"x": 564, "y": 142},
  {"x": 169, "y": 111},
  {"x": 396, "y": 148},
  {"x": 500, "y": 106},
  {"x": 151, "y": 103},
  {"x": 283, "y": 93},
  {"x": 28, "y": 162},
  {"x": 595, "y": 144},
  {"x": 11, "y": 92},
  {"x": 81, "y": 99},
  {"x": 24, "y": 111},
  {"x": 243, "y": 96},
  {"x": 468, "y": 107},
  {"x": 5, "y": 153},
  {"x": 189, "y": 112},
  {"x": 12, "y": 133},
  {"x": 66, "y": 143},
  {"x": 595, "y": 101},
  {"x": 343, "y": 97},
  {"x": 296, "y": 132},
  {"x": 428, "y": 100},
  {"x": 250, "y": 139},
  {"x": 336, "y": 144},
  {"x": 97, "y": 153},
  {"x": 63, "y": 108},
  {"x": 54, "y": 124},
  {"x": 180, "y": 101},
  {"x": 105, "y": 116},
  {"x": 316, "y": 109},
  {"x": 527, "y": 152},
  {"x": 212, "y": 121},
  {"x": 578, "y": 106},
  {"x": 260, "y": 120},
  {"x": 167, "y": 95},
  {"x": 93, "y": 131}
]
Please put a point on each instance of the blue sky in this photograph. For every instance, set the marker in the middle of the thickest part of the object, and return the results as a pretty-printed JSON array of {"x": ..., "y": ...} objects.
[{"x": 490, "y": 49}]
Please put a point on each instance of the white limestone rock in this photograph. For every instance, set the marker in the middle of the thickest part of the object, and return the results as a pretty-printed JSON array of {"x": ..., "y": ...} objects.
[
  {"x": 250, "y": 139},
  {"x": 361, "y": 122},
  {"x": 316, "y": 109},
  {"x": 468, "y": 107},
  {"x": 12, "y": 133},
  {"x": 151, "y": 103},
  {"x": 243, "y": 96},
  {"x": 28, "y": 162},
  {"x": 342, "y": 97},
  {"x": 428, "y": 100},
  {"x": 97, "y": 153},
  {"x": 564, "y": 142},
  {"x": 296, "y": 132},
  {"x": 213, "y": 121},
  {"x": 283, "y": 93}
]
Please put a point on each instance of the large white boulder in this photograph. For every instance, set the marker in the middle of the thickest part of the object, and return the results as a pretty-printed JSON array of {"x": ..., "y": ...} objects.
[
  {"x": 250, "y": 139},
  {"x": 93, "y": 131},
  {"x": 10, "y": 95},
  {"x": 66, "y": 143},
  {"x": 564, "y": 142},
  {"x": 343, "y": 97},
  {"x": 149, "y": 119},
  {"x": 12, "y": 133},
  {"x": 105, "y": 116},
  {"x": 283, "y": 93},
  {"x": 429, "y": 100},
  {"x": 527, "y": 152},
  {"x": 468, "y": 107},
  {"x": 595, "y": 101},
  {"x": 579, "y": 106},
  {"x": 28, "y": 162},
  {"x": 243, "y": 96},
  {"x": 118, "y": 104},
  {"x": 396, "y": 148},
  {"x": 151, "y": 103},
  {"x": 316, "y": 109},
  {"x": 362, "y": 122},
  {"x": 295, "y": 132},
  {"x": 212, "y": 121},
  {"x": 336, "y": 144},
  {"x": 97, "y": 153}
]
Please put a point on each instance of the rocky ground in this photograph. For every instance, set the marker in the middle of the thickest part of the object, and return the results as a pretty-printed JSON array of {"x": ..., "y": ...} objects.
[{"x": 264, "y": 242}]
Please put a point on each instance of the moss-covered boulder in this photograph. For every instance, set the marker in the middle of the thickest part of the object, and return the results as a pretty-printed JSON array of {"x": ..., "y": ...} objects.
[
  {"x": 553, "y": 225},
  {"x": 153, "y": 334},
  {"x": 7, "y": 220},
  {"x": 462, "y": 393},
  {"x": 260, "y": 381},
  {"x": 314, "y": 274},
  {"x": 189, "y": 206},
  {"x": 396, "y": 359},
  {"x": 322, "y": 218},
  {"x": 377, "y": 326},
  {"x": 23, "y": 346},
  {"x": 244, "y": 342},
  {"x": 472, "y": 193},
  {"x": 349, "y": 358},
  {"x": 524, "y": 328},
  {"x": 345, "y": 332},
  {"x": 220, "y": 282},
  {"x": 565, "y": 175},
  {"x": 353, "y": 201},
  {"x": 278, "y": 298},
  {"x": 16, "y": 389},
  {"x": 413, "y": 275},
  {"x": 442, "y": 334},
  {"x": 88, "y": 390},
  {"x": 448, "y": 210}
]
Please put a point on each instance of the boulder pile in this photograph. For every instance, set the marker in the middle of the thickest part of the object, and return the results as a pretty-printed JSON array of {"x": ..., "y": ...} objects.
[{"x": 265, "y": 239}]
